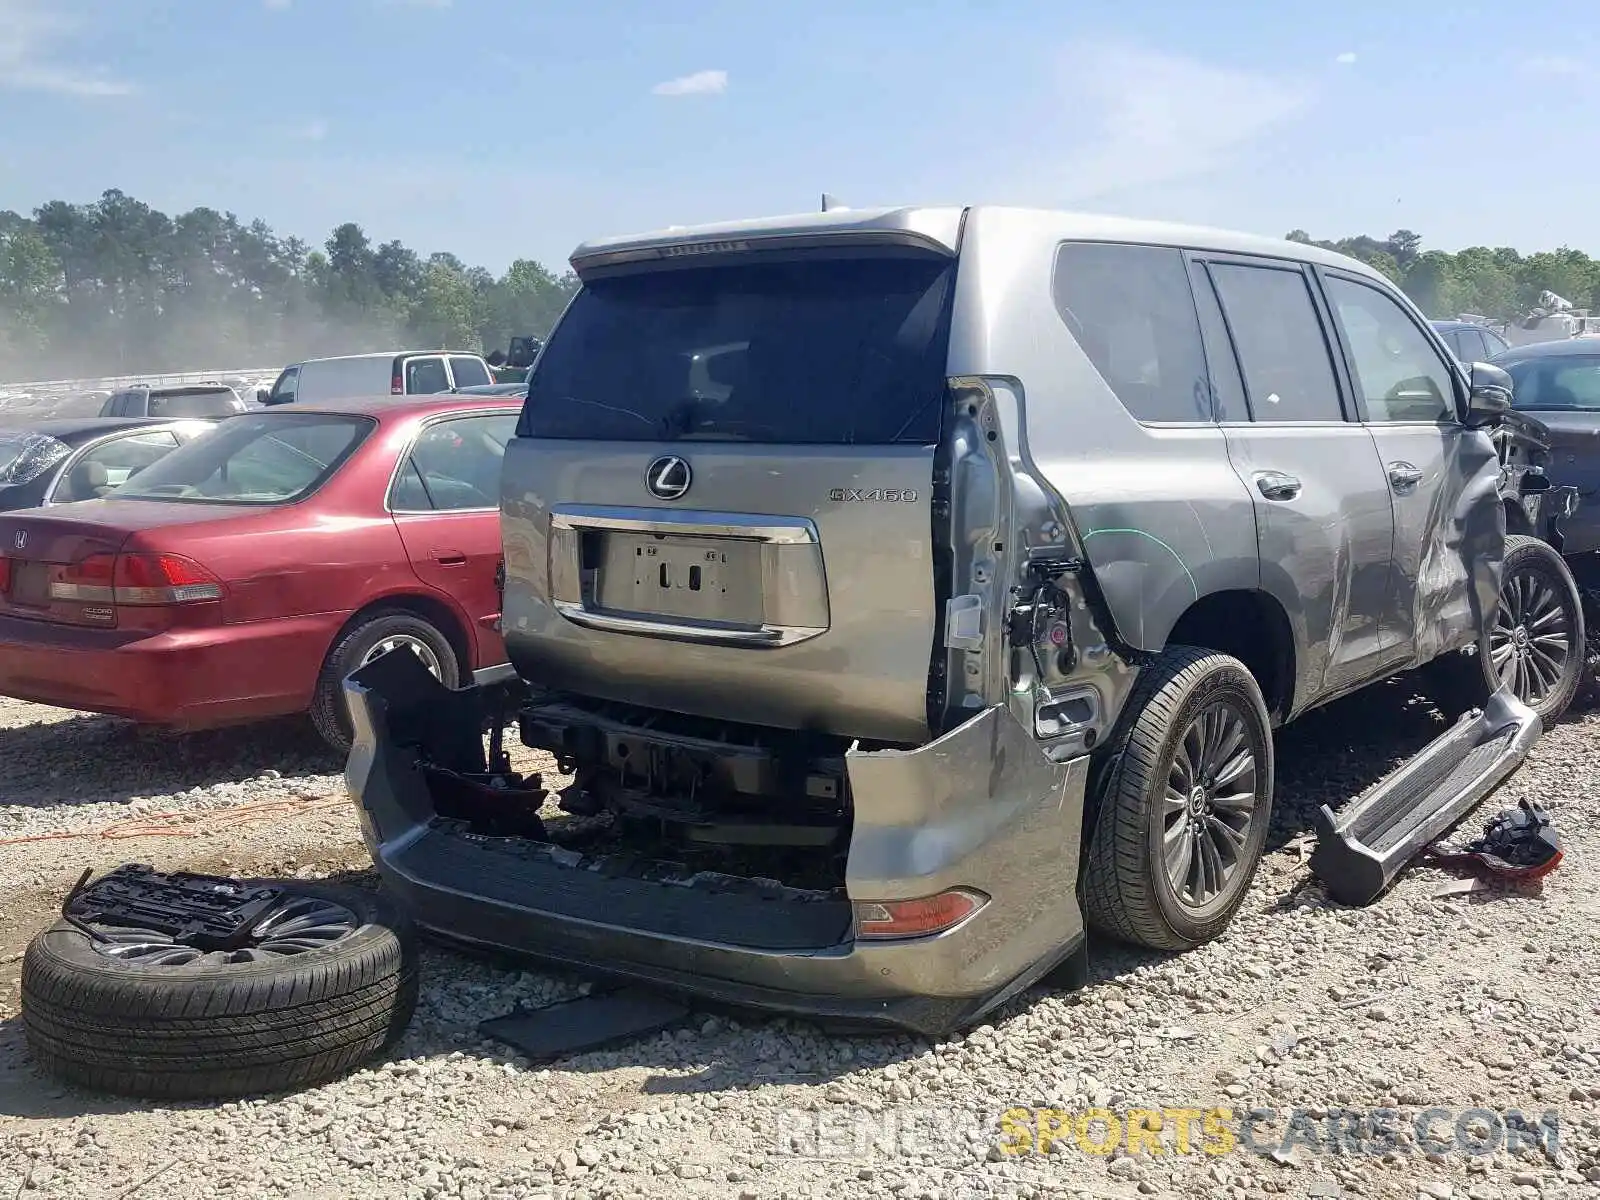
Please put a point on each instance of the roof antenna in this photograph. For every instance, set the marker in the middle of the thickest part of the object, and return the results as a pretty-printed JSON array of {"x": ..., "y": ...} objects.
[{"x": 831, "y": 203}]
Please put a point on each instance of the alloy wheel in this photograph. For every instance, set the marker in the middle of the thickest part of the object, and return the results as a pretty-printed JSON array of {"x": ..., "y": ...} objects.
[
  {"x": 1209, "y": 804},
  {"x": 403, "y": 641},
  {"x": 1531, "y": 640},
  {"x": 296, "y": 924}
]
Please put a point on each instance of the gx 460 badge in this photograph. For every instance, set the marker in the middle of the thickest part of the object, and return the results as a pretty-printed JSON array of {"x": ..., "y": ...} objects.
[{"x": 874, "y": 495}]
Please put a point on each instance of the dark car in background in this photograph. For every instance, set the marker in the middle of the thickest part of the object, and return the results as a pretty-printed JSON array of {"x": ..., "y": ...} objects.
[
  {"x": 1470, "y": 342},
  {"x": 82, "y": 458},
  {"x": 1558, "y": 384},
  {"x": 170, "y": 403}
]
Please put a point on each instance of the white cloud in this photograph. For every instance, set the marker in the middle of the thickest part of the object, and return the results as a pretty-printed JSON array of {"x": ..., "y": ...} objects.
[
  {"x": 1554, "y": 64},
  {"x": 701, "y": 83},
  {"x": 30, "y": 61},
  {"x": 276, "y": 4},
  {"x": 1345, "y": 59},
  {"x": 1154, "y": 117},
  {"x": 313, "y": 131}
]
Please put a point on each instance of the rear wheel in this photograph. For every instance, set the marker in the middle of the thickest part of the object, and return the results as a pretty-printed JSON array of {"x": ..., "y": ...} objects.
[
  {"x": 1184, "y": 809},
  {"x": 378, "y": 633}
]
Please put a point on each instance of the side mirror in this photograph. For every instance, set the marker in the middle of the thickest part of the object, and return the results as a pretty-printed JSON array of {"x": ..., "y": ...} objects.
[
  {"x": 263, "y": 396},
  {"x": 1489, "y": 393}
]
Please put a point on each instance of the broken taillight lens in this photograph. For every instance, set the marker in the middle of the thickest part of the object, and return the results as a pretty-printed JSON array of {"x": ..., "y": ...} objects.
[
  {"x": 135, "y": 579},
  {"x": 882, "y": 919}
]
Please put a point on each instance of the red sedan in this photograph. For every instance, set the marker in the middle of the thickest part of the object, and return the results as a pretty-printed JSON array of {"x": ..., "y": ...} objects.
[{"x": 247, "y": 573}]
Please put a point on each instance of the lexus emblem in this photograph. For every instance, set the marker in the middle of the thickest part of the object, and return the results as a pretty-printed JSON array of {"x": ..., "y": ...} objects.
[
  {"x": 20, "y": 539},
  {"x": 668, "y": 477}
]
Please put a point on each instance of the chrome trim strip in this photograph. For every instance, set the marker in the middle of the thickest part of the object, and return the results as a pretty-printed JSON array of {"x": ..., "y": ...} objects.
[
  {"x": 764, "y": 635},
  {"x": 796, "y": 531}
]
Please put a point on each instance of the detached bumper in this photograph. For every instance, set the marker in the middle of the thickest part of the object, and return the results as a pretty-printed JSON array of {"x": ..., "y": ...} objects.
[{"x": 980, "y": 808}]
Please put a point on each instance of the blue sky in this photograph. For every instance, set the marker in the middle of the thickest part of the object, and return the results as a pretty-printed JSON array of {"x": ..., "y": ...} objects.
[{"x": 501, "y": 129}]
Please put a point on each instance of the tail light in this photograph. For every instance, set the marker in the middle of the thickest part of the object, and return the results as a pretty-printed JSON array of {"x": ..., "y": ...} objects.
[
  {"x": 878, "y": 920},
  {"x": 397, "y": 385},
  {"x": 135, "y": 579},
  {"x": 5, "y": 574}
]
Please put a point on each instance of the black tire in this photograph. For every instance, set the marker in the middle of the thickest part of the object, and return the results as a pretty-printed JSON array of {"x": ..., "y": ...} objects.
[
  {"x": 1128, "y": 893},
  {"x": 329, "y": 714},
  {"x": 1531, "y": 567},
  {"x": 213, "y": 1030}
]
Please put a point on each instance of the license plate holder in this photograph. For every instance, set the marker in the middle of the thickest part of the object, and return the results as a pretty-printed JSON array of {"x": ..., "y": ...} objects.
[
  {"x": 30, "y": 584},
  {"x": 700, "y": 578}
]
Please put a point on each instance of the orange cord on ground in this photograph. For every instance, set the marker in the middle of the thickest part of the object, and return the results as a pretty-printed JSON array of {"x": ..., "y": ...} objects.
[{"x": 190, "y": 822}]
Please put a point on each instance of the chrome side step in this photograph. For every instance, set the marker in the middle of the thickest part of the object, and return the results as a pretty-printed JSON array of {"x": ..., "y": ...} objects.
[{"x": 1365, "y": 845}]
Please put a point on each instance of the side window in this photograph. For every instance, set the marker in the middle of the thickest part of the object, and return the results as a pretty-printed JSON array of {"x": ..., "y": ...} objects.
[
  {"x": 1288, "y": 374},
  {"x": 1473, "y": 347},
  {"x": 426, "y": 377},
  {"x": 283, "y": 391},
  {"x": 1227, "y": 386},
  {"x": 1400, "y": 374},
  {"x": 454, "y": 465},
  {"x": 112, "y": 463},
  {"x": 1494, "y": 343},
  {"x": 1130, "y": 309},
  {"x": 469, "y": 372}
]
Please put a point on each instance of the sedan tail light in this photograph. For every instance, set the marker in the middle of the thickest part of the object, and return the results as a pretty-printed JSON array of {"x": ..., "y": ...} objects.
[{"x": 135, "y": 579}]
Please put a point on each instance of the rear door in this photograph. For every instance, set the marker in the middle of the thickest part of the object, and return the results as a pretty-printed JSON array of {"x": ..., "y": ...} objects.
[
  {"x": 1443, "y": 479},
  {"x": 467, "y": 371},
  {"x": 719, "y": 499},
  {"x": 445, "y": 504},
  {"x": 1324, "y": 528},
  {"x": 426, "y": 376}
]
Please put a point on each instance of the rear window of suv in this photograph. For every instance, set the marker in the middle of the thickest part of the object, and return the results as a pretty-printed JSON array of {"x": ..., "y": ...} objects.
[
  {"x": 193, "y": 403},
  {"x": 807, "y": 350}
]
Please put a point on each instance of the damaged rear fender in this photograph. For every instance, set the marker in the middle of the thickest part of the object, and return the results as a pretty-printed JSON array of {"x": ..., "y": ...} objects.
[{"x": 981, "y": 807}]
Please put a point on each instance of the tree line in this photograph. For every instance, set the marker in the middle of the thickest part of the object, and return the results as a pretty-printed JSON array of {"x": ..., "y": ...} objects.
[
  {"x": 117, "y": 287},
  {"x": 1500, "y": 283}
]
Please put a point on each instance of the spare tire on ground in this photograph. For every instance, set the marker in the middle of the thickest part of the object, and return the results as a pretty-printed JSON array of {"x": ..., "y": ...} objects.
[{"x": 327, "y": 979}]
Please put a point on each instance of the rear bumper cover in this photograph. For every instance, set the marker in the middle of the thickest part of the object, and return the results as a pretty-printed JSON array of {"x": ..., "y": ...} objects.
[
  {"x": 185, "y": 678},
  {"x": 981, "y": 807}
]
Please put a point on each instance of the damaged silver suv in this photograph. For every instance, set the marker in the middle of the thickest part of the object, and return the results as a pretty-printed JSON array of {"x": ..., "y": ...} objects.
[{"x": 902, "y": 591}]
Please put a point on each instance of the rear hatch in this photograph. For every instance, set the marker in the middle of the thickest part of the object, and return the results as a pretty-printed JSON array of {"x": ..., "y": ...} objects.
[{"x": 719, "y": 501}]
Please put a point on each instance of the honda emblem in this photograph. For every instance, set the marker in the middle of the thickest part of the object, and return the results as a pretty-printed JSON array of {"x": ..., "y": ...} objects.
[{"x": 19, "y": 540}]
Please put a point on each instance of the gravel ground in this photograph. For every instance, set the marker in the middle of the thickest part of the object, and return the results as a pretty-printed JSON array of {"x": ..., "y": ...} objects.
[{"x": 1480, "y": 1000}]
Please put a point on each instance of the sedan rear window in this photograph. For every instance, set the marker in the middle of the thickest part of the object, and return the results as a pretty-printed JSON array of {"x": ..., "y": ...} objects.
[
  {"x": 268, "y": 459},
  {"x": 26, "y": 456},
  {"x": 193, "y": 403},
  {"x": 1558, "y": 383},
  {"x": 808, "y": 350}
]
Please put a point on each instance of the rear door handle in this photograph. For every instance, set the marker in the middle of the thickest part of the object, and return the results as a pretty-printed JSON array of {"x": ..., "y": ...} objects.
[
  {"x": 1404, "y": 476},
  {"x": 1276, "y": 485},
  {"x": 450, "y": 558}
]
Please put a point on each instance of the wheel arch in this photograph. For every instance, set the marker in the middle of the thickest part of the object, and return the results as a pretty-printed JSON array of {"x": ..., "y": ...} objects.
[
  {"x": 437, "y": 612},
  {"x": 1252, "y": 626}
]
